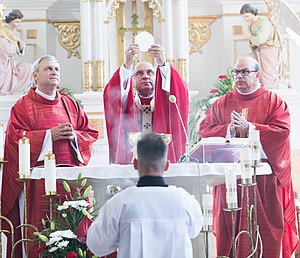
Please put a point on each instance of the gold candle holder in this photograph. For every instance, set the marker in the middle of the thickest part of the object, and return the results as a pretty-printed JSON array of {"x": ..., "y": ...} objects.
[
  {"x": 88, "y": 75},
  {"x": 100, "y": 75}
]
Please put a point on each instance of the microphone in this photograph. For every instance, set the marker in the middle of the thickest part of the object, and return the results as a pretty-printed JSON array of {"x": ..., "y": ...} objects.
[{"x": 172, "y": 99}]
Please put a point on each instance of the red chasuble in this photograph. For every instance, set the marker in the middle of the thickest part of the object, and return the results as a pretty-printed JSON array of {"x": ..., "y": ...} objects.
[
  {"x": 120, "y": 121},
  {"x": 275, "y": 198},
  {"x": 34, "y": 114}
]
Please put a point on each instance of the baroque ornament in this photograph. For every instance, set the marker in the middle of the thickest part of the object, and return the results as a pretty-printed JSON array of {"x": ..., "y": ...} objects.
[
  {"x": 199, "y": 32},
  {"x": 69, "y": 37}
]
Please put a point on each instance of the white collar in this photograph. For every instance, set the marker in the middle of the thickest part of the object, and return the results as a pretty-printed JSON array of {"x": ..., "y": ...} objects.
[
  {"x": 44, "y": 95},
  {"x": 248, "y": 93}
]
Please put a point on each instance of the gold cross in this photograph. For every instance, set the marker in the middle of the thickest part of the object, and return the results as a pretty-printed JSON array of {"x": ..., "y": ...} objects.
[{"x": 134, "y": 22}]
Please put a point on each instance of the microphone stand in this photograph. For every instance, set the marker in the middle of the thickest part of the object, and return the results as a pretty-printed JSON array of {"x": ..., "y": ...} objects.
[{"x": 172, "y": 99}]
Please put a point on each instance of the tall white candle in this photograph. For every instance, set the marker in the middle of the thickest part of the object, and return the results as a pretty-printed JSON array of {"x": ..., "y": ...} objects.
[
  {"x": 231, "y": 189},
  {"x": 1, "y": 142},
  {"x": 246, "y": 162},
  {"x": 50, "y": 174},
  {"x": 254, "y": 136},
  {"x": 24, "y": 157},
  {"x": 254, "y": 139},
  {"x": 207, "y": 204}
]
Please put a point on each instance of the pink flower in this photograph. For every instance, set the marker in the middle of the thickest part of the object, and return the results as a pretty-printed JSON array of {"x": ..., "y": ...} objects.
[
  {"x": 214, "y": 91},
  {"x": 222, "y": 76},
  {"x": 71, "y": 255}
]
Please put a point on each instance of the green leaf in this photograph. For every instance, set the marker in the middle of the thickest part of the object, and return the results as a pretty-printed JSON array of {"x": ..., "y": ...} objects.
[
  {"x": 67, "y": 187},
  {"x": 52, "y": 225},
  {"x": 43, "y": 222},
  {"x": 80, "y": 253},
  {"x": 87, "y": 191},
  {"x": 83, "y": 183},
  {"x": 43, "y": 238},
  {"x": 79, "y": 177}
]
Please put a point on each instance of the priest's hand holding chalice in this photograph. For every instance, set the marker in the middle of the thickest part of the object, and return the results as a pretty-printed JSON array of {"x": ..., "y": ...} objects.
[{"x": 134, "y": 137}]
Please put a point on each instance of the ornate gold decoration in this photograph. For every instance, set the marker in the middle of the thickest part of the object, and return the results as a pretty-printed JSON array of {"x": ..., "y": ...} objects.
[
  {"x": 88, "y": 75},
  {"x": 32, "y": 34},
  {"x": 98, "y": 124},
  {"x": 120, "y": 23},
  {"x": 69, "y": 37},
  {"x": 155, "y": 9},
  {"x": 199, "y": 32},
  {"x": 112, "y": 11},
  {"x": 153, "y": 5},
  {"x": 99, "y": 75},
  {"x": 182, "y": 67}
]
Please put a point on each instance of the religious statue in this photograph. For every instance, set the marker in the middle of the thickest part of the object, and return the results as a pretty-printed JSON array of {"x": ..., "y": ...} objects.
[
  {"x": 15, "y": 76},
  {"x": 266, "y": 45}
]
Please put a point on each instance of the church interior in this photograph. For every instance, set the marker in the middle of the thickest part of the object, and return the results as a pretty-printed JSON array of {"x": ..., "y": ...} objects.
[{"x": 202, "y": 39}]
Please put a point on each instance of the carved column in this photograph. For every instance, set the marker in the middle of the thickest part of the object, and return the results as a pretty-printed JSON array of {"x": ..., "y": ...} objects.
[
  {"x": 168, "y": 31},
  {"x": 99, "y": 44},
  {"x": 86, "y": 41},
  {"x": 180, "y": 22}
]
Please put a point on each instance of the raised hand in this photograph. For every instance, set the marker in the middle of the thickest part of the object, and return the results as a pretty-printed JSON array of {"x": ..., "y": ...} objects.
[{"x": 130, "y": 52}]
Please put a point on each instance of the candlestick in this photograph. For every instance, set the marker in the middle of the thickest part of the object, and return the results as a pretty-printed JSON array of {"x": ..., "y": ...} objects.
[
  {"x": 246, "y": 163},
  {"x": 1, "y": 142},
  {"x": 50, "y": 174},
  {"x": 231, "y": 191},
  {"x": 24, "y": 157}
]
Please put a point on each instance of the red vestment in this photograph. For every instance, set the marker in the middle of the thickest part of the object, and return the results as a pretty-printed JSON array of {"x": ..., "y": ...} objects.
[
  {"x": 120, "y": 121},
  {"x": 275, "y": 198},
  {"x": 34, "y": 114}
]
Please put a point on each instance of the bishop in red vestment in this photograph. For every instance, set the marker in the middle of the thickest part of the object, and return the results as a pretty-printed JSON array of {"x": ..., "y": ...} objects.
[
  {"x": 275, "y": 199},
  {"x": 149, "y": 108},
  {"x": 49, "y": 119}
]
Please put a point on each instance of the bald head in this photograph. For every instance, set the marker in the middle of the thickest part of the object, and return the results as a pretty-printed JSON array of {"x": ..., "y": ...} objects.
[
  {"x": 246, "y": 74},
  {"x": 144, "y": 79}
]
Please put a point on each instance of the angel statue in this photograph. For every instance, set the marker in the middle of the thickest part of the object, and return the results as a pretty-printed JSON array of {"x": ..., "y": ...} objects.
[
  {"x": 15, "y": 76},
  {"x": 266, "y": 45}
]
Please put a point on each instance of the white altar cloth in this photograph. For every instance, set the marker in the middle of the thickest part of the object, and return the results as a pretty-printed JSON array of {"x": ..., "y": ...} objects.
[
  {"x": 209, "y": 170},
  {"x": 192, "y": 177}
]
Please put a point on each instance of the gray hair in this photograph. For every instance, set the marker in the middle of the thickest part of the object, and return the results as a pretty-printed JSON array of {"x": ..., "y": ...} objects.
[
  {"x": 36, "y": 64},
  {"x": 247, "y": 8}
]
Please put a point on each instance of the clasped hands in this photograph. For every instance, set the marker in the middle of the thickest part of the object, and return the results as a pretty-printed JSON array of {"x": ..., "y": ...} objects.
[
  {"x": 238, "y": 124},
  {"x": 62, "y": 132},
  {"x": 155, "y": 50}
]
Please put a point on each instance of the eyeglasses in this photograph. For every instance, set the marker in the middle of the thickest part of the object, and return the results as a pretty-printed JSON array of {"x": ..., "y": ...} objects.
[
  {"x": 149, "y": 72},
  {"x": 243, "y": 72}
]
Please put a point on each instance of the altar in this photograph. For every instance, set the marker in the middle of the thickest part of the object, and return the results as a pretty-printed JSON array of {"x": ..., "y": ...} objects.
[{"x": 193, "y": 177}]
